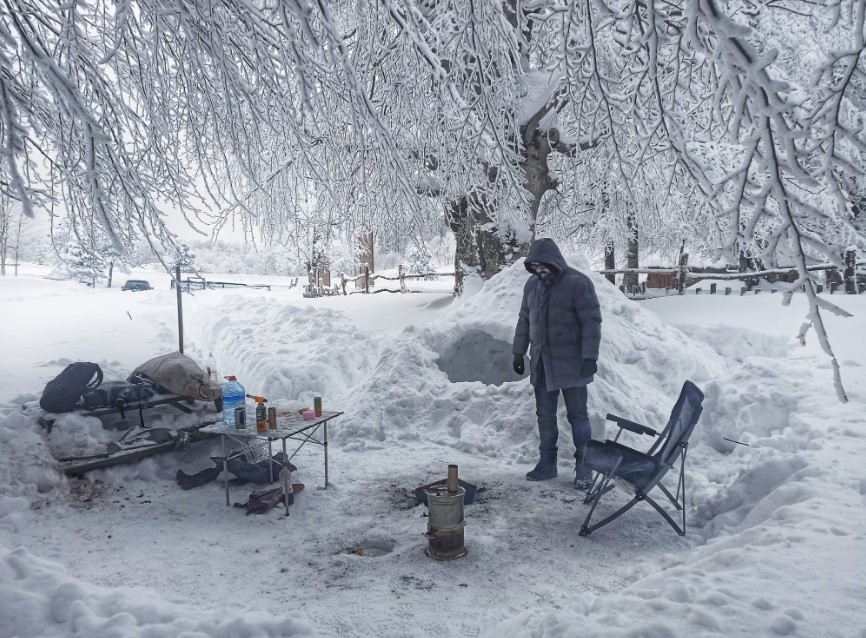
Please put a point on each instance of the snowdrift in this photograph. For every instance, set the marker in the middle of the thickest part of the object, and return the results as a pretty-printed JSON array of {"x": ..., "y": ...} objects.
[{"x": 409, "y": 397}]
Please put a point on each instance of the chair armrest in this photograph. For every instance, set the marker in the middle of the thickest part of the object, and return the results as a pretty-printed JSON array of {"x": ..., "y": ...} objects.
[{"x": 637, "y": 428}]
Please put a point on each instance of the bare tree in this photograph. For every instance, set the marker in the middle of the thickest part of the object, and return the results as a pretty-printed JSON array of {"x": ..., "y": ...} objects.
[
  {"x": 8, "y": 225},
  {"x": 738, "y": 125}
]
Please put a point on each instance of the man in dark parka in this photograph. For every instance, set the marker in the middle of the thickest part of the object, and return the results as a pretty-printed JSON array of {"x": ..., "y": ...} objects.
[{"x": 560, "y": 317}]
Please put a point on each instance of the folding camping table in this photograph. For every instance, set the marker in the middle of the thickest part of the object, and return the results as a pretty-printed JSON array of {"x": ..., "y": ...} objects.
[{"x": 289, "y": 428}]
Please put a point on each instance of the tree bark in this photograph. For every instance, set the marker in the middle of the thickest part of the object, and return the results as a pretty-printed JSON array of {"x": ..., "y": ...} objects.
[
  {"x": 610, "y": 261},
  {"x": 5, "y": 212},
  {"x": 850, "y": 276},
  {"x": 483, "y": 247},
  {"x": 630, "y": 280}
]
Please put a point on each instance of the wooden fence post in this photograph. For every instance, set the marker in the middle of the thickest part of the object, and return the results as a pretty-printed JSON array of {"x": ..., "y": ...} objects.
[
  {"x": 400, "y": 275},
  {"x": 831, "y": 276},
  {"x": 367, "y": 280},
  {"x": 850, "y": 275},
  {"x": 343, "y": 282}
]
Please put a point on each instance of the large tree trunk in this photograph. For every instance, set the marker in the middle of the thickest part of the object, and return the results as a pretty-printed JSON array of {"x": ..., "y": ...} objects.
[
  {"x": 630, "y": 280},
  {"x": 483, "y": 247},
  {"x": 609, "y": 253},
  {"x": 5, "y": 212},
  {"x": 610, "y": 261}
]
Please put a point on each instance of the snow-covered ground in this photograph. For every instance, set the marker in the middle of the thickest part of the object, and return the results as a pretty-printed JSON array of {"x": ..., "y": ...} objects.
[{"x": 776, "y": 537}]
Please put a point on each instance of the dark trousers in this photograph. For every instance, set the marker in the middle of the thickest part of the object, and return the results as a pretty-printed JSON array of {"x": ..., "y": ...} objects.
[{"x": 546, "y": 404}]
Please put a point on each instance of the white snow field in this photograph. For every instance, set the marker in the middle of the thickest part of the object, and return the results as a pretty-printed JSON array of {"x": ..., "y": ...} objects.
[{"x": 775, "y": 545}]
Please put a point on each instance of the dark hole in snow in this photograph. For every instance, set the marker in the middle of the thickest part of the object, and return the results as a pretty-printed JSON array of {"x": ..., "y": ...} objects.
[
  {"x": 372, "y": 549},
  {"x": 477, "y": 356}
]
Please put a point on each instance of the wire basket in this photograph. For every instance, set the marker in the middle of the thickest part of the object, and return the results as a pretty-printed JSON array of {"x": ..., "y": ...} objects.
[{"x": 252, "y": 452}]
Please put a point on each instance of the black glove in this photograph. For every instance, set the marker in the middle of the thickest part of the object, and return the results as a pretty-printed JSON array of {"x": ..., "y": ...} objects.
[
  {"x": 588, "y": 368},
  {"x": 517, "y": 364}
]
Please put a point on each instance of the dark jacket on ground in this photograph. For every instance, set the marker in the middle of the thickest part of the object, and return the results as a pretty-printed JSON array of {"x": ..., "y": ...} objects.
[{"x": 560, "y": 317}]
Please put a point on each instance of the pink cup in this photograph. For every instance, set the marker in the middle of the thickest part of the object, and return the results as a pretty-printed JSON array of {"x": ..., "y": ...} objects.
[{"x": 309, "y": 415}]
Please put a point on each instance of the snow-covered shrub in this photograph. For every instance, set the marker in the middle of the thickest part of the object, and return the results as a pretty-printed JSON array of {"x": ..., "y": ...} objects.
[{"x": 419, "y": 260}]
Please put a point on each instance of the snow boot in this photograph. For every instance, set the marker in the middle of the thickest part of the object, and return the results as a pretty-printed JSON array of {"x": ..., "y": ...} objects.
[
  {"x": 544, "y": 470},
  {"x": 582, "y": 477}
]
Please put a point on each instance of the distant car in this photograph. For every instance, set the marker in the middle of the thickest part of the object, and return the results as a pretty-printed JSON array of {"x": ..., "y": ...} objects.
[{"x": 137, "y": 284}]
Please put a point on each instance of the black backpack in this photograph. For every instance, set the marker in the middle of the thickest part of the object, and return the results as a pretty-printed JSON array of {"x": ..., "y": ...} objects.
[{"x": 63, "y": 392}]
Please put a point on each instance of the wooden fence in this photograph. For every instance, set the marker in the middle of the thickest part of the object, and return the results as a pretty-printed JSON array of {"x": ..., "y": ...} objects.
[
  {"x": 852, "y": 280},
  {"x": 199, "y": 283},
  {"x": 367, "y": 280},
  {"x": 852, "y": 277}
]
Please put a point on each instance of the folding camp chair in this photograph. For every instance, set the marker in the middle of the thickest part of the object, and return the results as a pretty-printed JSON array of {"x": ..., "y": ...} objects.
[{"x": 639, "y": 473}]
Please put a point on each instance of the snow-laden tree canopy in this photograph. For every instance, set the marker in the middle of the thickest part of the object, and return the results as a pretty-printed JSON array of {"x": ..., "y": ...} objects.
[{"x": 738, "y": 124}]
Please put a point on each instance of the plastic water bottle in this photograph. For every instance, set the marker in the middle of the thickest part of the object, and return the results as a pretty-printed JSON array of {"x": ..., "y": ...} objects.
[
  {"x": 233, "y": 396},
  {"x": 212, "y": 374}
]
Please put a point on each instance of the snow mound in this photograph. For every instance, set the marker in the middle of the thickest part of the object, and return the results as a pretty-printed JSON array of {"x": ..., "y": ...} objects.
[
  {"x": 41, "y": 599},
  {"x": 29, "y": 470},
  {"x": 738, "y": 344},
  {"x": 478, "y": 405},
  {"x": 281, "y": 350}
]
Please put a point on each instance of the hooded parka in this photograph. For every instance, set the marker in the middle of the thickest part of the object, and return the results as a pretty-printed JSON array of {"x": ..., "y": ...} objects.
[{"x": 560, "y": 317}]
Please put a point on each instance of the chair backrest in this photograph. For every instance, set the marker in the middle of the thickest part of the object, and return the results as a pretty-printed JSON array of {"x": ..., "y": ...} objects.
[{"x": 683, "y": 419}]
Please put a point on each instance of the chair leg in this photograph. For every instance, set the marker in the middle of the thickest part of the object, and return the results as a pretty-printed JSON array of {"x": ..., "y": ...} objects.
[
  {"x": 681, "y": 487},
  {"x": 586, "y": 529},
  {"x": 591, "y": 492},
  {"x": 595, "y": 495},
  {"x": 673, "y": 499},
  {"x": 680, "y": 530},
  {"x": 596, "y": 491}
]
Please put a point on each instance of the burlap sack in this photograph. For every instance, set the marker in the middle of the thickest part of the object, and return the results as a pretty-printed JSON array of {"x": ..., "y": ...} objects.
[{"x": 179, "y": 374}]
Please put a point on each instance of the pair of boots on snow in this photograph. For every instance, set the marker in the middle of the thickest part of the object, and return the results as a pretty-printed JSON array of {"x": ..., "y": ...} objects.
[{"x": 545, "y": 470}]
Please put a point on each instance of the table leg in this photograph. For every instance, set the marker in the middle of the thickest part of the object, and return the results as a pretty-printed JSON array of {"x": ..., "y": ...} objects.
[
  {"x": 325, "y": 445},
  {"x": 286, "y": 467},
  {"x": 225, "y": 469},
  {"x": 270, "y": 462}
]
